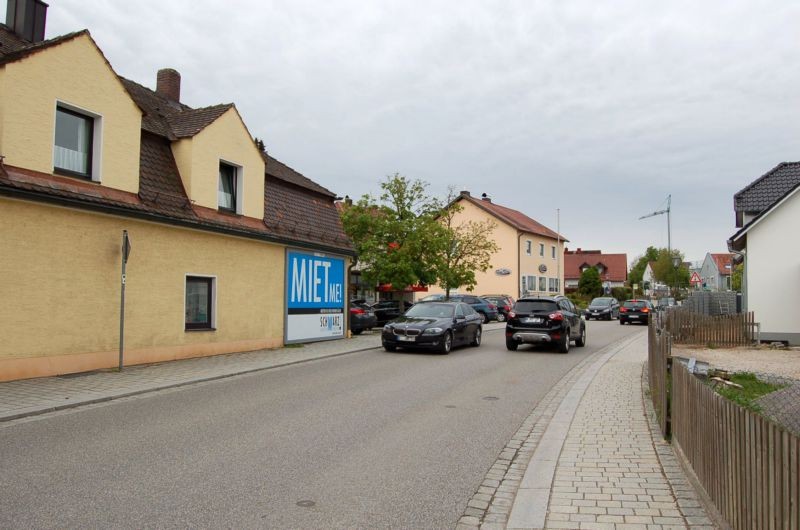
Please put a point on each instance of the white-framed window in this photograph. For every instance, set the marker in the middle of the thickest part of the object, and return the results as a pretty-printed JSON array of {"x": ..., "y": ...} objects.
[
  {"x": 528, "y": 247},
  {"x": 552, "y": 285},
  {"x": 553, "y": 251},
  {"x": 531, "y": 283},
  {"x": 229, "y": 195},
  {"x": 200, "y": 302},
  {"x": 77, "y": 142},
  {"x": 541, "y": 249},
  {"x": 542, "y": 284}
]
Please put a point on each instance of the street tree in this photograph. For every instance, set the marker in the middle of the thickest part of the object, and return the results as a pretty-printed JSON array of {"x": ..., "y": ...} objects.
[
  {"x": 461, "y": 248},
  {"x": 640, "y": 264},
  {"x": 736, "y": 277},
  {"x": 589, "y": 284},
  {"x": 665, "y": 272},
  {"x": 392, "y": 234}
]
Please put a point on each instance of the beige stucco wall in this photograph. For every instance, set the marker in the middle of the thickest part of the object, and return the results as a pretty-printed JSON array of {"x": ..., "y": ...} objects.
[
  {"x": 198, "y": 158},
  {"x": 75, "y": 73},
  {"x": 773, "y": 270},
  {"x": 510, "y": 255},
  {"x": 60, "y": 279}
]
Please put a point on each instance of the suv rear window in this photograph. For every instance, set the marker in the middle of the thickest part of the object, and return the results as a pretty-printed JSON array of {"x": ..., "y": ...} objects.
[
  {"x": 634, "y": 304},
  {"x": 529, "y": 306}
]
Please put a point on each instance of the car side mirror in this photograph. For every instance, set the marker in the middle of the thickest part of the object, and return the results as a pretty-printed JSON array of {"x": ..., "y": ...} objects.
[{"x": 459, "y": 317}]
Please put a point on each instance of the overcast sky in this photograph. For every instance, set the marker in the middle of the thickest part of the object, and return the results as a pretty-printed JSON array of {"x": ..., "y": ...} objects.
[{"x": 599, "y": 109}]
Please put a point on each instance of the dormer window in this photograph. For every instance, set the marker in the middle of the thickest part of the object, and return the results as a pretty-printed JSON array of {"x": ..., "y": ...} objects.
[
  {"x": 74, "y": 139},
  {"x": 228, "y": 186}
]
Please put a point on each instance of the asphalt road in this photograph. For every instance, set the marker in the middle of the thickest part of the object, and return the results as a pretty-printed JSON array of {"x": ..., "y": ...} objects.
[{"x": 367, "y": 440}]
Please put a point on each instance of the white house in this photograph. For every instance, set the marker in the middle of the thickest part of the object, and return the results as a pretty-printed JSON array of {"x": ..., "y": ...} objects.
[{"x": 768, "y": 218}]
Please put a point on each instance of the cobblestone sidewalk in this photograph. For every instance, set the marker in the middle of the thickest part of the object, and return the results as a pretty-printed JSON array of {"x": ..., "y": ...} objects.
[{"x": 586, "y": 459}]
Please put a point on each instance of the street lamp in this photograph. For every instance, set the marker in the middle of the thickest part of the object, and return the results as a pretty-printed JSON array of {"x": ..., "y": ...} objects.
[{"x": 676, "y": 261}]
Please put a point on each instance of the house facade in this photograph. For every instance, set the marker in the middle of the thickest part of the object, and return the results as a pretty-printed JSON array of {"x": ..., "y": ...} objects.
[
  {"x": 715, "y": 273},
  {"x": 612, "y": 268},
  {"x": 530, "y": 256},
  {"x": 228, "y": 250},
  {"x": 767, "y": 214}
]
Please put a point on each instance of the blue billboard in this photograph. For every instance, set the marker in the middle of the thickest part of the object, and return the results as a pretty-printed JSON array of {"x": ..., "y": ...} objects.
[{"x": 315, "y": 291}]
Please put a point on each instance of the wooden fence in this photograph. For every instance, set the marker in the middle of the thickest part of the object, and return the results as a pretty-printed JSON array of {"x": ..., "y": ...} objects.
[
  {"x": 748, "y": 466},
  {"x": 688, "y": 327},
  {"x": 658, "y": 359}
]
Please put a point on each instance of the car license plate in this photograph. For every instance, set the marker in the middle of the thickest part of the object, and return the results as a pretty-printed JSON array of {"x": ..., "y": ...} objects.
[
  {"x": 595, "y": 313},
  {"x": 406, "y": 338},
  {"x": 534, "y": 320},
  {"x": 633, "y": 316}
]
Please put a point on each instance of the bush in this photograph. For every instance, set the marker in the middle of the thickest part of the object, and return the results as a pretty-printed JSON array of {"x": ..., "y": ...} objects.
[
  {"x": 589, "y": 284},
  {"x": 622, "y": 293},
  {"x": 580, "y": 301}
]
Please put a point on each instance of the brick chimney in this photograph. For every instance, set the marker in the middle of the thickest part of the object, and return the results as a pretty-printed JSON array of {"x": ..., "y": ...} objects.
[
  {"x": 168, "y": 84},
  {"x": 27, "y": 18}
]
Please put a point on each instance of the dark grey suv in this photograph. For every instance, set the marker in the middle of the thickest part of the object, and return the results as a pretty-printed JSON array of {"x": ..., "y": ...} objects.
[{"x": 545, "y": 319}]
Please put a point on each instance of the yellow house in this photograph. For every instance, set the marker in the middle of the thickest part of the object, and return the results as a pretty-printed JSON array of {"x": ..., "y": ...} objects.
[
  {"x": 226, "y": 246},
  {"x": 530, "y": 257}
]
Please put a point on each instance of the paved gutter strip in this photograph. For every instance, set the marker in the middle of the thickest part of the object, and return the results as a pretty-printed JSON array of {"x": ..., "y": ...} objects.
[{"x": 490, "y": 507}]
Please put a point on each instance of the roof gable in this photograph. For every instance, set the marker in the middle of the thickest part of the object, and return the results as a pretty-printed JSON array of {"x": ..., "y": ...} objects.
[
  {"x": 511, "y": 217},
  {"x": 614, "y": 266},
  {"x": 768, "y": 188}
]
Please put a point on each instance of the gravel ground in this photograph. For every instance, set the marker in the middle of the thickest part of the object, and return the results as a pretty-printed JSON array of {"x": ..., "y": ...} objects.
[{"x": 780, "y": 366}]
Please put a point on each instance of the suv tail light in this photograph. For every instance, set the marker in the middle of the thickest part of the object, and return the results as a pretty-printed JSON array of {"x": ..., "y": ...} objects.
[
  {"x": 492, "y": 306},
  {"x": 623, "y": 309},
  {"x": 556, "y": 316},
  {"x": 645, "y": 310},
  {"x": 357, "y": 311},
  {"x": 512, "y": 314}
]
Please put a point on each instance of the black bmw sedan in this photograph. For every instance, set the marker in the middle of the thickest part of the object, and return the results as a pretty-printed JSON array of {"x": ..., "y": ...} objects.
[{"x": 434, "y": 325}]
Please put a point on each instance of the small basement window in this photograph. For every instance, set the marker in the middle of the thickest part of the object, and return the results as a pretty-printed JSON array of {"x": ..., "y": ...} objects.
[{"x": 199, "y": 304}]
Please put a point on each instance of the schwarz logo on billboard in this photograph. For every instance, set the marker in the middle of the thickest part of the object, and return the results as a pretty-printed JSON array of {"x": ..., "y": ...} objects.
[{"x": 314, "y": 297}]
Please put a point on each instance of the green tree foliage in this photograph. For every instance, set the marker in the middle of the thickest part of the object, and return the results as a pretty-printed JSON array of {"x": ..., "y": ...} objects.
[
  {"x": 736, "y": 277},
  {"x": 637, "y": 271},
  {"x": 666, "y": 273},
  {"x": 392, "y": 235},
  {"x": 460, "y": 248},
  {"x": 589, "y": 284}
]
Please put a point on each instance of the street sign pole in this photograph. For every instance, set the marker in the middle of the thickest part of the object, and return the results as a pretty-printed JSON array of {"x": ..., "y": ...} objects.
[{"x": 126, "y": 250}]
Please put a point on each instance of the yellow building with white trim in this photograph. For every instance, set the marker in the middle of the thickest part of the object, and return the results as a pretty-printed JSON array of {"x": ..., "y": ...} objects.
[{"x": 211, "y": 218}]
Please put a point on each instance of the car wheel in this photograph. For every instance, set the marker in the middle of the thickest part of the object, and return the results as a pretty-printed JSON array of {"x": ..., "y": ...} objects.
[
  {"x": 621, "y": 322},
  {"x": 356, "y": 331},
  {"x": 476, "y": 339},
  {"x": 581, "y": 341},
  {"x": 563, "y": 345},
  {"x": 501, "y": 317},
  {"x": 511, "y": 345},
  {"x": 390, "y": 347},
  {"x": 485, "y": 317},
  {"x": 447, "y": 343}
]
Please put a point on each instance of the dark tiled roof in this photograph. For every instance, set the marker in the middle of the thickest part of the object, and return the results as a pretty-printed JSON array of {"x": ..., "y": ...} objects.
[
  {"x": 13, "y": 47},
  {"x": 767, "y": 189},
  {"x": 156, "y": 108},
  {"x": 615, "y": 265},
  {"x": 517, "y": 219},
  {"x": 190, "y": 122},
  {"x": 279, "y": 170},
  {"x": 160, "y": 185},
  {"x": 302, "y": 214}
]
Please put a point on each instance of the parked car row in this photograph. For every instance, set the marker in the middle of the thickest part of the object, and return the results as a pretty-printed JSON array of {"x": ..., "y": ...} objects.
[{"x": 439, "y": 324}]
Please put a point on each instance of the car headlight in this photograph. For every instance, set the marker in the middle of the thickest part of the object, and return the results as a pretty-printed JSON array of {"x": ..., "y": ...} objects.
[
  {"x": 387, "y": 327},
  {"x": 432, "y": 331}
]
